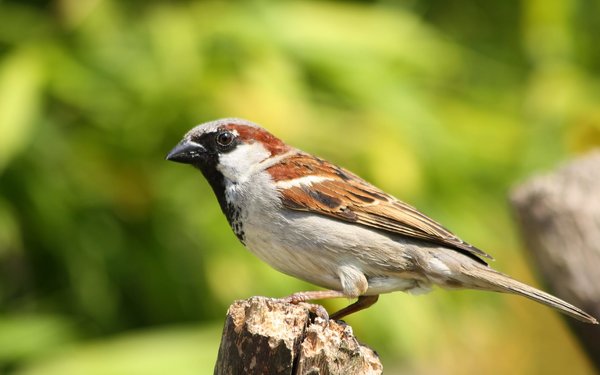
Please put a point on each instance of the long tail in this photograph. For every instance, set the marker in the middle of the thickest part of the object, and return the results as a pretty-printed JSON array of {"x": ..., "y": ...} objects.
[{"x": 487, "y": 278}]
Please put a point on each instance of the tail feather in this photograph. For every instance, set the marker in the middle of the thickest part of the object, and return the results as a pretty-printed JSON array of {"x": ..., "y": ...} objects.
[{"x": 502, "y": 283}]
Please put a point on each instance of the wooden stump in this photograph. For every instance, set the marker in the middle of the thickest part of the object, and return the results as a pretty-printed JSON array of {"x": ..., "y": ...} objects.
[
  {"x": 268, "y": 336},
  {"x": 559, "y": 216}
]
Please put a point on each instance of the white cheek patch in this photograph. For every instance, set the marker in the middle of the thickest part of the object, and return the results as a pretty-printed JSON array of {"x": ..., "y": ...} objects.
[
  {"x": 240, "y": 163},
  {"x": 306, "y": 180}
]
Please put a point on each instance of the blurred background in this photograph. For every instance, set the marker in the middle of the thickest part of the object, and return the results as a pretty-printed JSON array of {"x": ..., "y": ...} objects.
[{"x": 113, "y": 261}]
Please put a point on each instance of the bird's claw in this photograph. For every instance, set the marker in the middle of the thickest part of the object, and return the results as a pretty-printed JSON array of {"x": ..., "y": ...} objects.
[{"x": 318, "y": 310}]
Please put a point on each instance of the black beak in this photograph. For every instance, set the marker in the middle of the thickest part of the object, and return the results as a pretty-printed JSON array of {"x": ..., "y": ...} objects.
[{"x": 186, "y": 152}]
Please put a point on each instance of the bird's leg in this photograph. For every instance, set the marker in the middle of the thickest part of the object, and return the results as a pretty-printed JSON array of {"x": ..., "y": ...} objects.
[
  {"x": 362, "y": 303},
  {"x": 312, "y": 295},
  {"x": 318, "y": 310}
]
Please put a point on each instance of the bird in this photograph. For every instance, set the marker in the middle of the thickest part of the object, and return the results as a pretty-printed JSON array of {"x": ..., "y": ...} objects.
[{"x": 313, "y": 220}]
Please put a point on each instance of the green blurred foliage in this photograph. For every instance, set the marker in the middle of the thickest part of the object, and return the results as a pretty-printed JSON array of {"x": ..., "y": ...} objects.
[{"x": 106, "y": 250}]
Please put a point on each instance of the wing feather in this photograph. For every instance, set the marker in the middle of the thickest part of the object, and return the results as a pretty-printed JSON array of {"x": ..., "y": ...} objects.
[{"x": 343, "y": 195}]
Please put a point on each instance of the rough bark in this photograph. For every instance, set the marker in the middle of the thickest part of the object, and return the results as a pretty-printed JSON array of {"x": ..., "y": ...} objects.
[
  {"x": 559, "y": 216},
  {"x": 269, "y": 336}
]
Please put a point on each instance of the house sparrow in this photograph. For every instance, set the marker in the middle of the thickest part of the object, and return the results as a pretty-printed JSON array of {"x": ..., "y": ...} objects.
[{"x": 318, "y": 222}]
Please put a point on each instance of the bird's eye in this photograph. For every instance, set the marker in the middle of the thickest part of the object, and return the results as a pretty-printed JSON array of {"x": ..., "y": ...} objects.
[{"x": 225, "y": 139}]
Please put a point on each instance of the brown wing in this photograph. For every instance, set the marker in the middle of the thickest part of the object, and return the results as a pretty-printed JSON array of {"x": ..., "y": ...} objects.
[{"x": 343, "y": 195}]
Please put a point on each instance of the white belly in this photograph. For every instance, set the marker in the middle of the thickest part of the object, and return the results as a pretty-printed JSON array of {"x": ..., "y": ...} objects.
[
  {"x": 314, "y": 248},
  {"x": 327, "y": 252}
]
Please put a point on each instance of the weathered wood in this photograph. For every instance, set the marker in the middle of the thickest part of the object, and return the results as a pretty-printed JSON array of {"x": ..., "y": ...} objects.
[
  {"x": 269, "y": 336},
  {"x": 559, "y": 216}
]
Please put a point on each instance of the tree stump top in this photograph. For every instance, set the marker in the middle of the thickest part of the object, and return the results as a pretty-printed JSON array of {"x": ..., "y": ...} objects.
[{"x": 268, "y": 336}]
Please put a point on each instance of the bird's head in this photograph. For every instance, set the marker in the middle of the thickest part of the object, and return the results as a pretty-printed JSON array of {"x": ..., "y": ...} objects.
[{"x": 228, "y": 147}]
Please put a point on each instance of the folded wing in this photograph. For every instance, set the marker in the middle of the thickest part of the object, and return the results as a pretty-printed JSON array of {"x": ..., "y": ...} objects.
[{"x": 338, "y": 193}]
